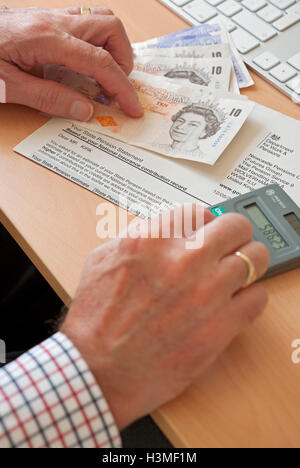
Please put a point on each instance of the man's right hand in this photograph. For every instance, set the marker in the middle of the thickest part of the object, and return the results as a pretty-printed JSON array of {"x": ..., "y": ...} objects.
[
  {"x": 95, "y": 45},
  {"x": 150, "y": 316}
]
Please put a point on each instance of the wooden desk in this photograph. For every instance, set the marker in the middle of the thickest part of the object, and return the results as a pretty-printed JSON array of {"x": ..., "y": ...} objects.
[{"x": 251, "y": 396}]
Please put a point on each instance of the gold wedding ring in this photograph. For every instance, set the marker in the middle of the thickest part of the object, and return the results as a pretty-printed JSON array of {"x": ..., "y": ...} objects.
[
  {"x": 85, "y": 11},
  {"x": 252, "y": 274}
]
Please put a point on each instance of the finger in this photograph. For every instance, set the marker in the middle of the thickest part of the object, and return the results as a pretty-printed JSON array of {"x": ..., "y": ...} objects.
[
  {"x": 37, "y": 70},
  {"x": 94, "y": 62},
  {"x": 118, "y": 44},
  {"x": 244, "y": 308},
  {"x": 45, "y": 96},
  {"x": 233, "y": 271},
  {"x": 183, "y": 221},
  {"x": 247, "y": 305},
  {"x": 226, "y": 234},
  {"x": 201, "y": 217},
  {"x": 94, "y": 11},
  {"x": 102, "y": 30},
  {"x": 180, "y": 222}
]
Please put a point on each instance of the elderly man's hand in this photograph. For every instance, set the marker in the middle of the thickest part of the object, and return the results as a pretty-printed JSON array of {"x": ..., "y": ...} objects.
[
  {"x": 150, "y": 315},
  {"x": 95, "y": 45}
]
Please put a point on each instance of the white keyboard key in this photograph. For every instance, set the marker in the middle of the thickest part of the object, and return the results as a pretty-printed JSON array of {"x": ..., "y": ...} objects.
[
  {"x": 270, "y": 14},
  {"x": 283, "y": 4},
  {"x": 214, "y": 2},
  {"x": 283, "y": 72},
  {"x": 295, "y": 9},
  {"x": 200, "y": 10},
  {"x": 294, "y": 85},
  {"x": 286, "y": 21},
  {"x": 230, "y": 8},
  {"x": 254, "y": 25},
  {"x": 266, "y": 61},
  {"x": 180, "y": 2},
  {"x": 254, "y": 5},
  {"x": 295, "y": 61},
  {"x": 229, "y": 25},
  {"x": 243, "y": 41}
]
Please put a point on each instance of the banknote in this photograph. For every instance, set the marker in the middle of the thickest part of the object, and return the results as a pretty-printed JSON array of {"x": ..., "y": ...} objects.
[
  {"x": 194, "y": 37},
  {"x": 234, "y": 85},
  {"x": 212, "y": 73},
  {"x": 184, "y": 41},
  {"x": 185, "y": 122},
  {"x": 202, "y": 29},
  {"x": 243, "y": 76},
  {"x": 82, "y": 83},
  {"x": 200, "y": 52}
]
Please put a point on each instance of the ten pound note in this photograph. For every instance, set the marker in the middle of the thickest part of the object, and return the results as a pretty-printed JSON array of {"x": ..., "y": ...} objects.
[
  {"x": 202, "y": 35},
  {"x": 186, "y": 122},
  {"x": 213, "y": 73}
]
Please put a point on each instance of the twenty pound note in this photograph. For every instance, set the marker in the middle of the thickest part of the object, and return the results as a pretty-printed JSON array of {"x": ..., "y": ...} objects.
[{"x": 186, "y": 122}]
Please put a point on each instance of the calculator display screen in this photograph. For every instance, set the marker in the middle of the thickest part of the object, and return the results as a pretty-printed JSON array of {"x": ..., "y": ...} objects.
[
  {"x": 266, "y": 227},
  {"x": 293, "y": 222}
]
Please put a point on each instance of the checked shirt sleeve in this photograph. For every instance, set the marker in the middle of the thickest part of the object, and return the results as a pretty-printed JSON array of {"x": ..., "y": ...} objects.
[{"x": 49, "y": 398}]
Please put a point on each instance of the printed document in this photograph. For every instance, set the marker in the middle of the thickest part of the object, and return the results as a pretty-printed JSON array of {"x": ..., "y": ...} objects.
[{"x": 267, "y": 150}]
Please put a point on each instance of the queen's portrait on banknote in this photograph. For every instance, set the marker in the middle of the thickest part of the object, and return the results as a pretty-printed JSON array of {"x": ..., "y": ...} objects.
[{"x": 190, "y": 126}]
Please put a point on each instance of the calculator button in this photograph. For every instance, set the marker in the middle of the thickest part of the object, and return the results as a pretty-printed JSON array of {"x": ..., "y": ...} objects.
[
  {"x": 283, "y": 72},
  {"x": 295, "y": 61},
  {"x": 294, "y": 85},
  {"x": 286, "y": 21},
  {"x": 266, "y": 61},
  {"x": 243, "y": 41},
  {"x": 200, "y": 10},
  {"x": 255, "y": 25},
  {"x": 230, "y": 8},
  {"x": 270, "y": 14}
]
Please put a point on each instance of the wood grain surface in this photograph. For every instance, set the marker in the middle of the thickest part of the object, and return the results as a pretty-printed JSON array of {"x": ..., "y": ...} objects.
[{"x": 251, "y": 396}]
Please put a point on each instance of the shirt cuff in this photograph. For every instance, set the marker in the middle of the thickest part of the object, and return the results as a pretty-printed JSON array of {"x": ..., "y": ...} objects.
[{"x": 49, "y": 398}]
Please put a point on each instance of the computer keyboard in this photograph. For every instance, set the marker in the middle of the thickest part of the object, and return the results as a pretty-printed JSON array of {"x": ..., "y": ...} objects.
[{"x": 266, "y": 33}]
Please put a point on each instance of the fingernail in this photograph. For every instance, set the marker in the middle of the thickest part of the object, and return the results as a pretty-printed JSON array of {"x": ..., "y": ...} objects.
[
  {"x": 82, "y": 111},
  {"x": 139, "y": 110}
]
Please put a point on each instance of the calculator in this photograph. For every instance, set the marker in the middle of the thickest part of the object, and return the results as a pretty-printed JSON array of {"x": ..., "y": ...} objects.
[{"x": 275, "y": 218}]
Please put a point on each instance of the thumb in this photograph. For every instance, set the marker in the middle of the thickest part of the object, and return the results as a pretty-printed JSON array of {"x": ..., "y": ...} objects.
[{"x": 46, "y": 96}]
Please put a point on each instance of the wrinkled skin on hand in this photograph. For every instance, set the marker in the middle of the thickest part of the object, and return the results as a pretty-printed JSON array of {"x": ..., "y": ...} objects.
[
  {"x": 95, "y": 45},
  {"x": 150, "y": 316}
]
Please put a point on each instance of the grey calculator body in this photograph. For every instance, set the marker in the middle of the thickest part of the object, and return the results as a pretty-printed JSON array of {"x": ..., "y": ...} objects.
[{"x": 275, "y": 218}]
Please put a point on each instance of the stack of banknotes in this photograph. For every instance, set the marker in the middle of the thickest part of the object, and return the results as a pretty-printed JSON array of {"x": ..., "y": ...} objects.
[{"x": 189, "y": 85}]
